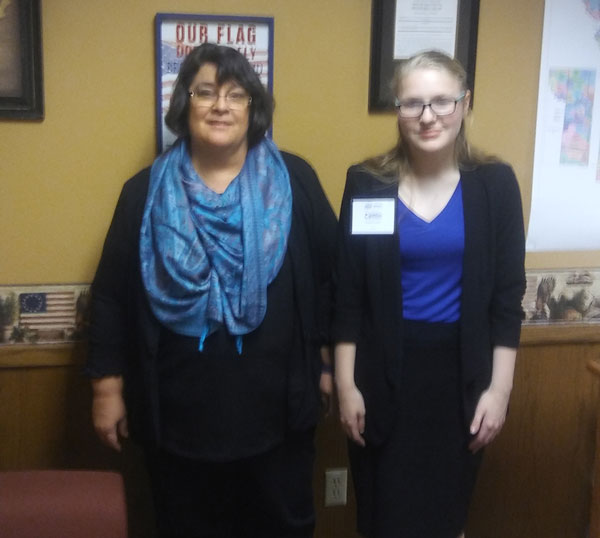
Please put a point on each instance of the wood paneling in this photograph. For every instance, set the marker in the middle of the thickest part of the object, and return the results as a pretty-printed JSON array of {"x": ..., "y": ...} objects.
[
  {"x": 332, "y": 521},
  {"x": 45, "y": 424},
  {"x": 535, "y": 481},
  {"x": 594, "y": 367},
  {"x": 536, "y": 477}
]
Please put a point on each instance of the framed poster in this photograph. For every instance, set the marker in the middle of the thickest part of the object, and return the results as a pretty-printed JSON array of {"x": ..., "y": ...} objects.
[
  {"x": 21, "y": 88},
  {"x": 401, "y": 28},
  {"x": 177, "y": 34}
]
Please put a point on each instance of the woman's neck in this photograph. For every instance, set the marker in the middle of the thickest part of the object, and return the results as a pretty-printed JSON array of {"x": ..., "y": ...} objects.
[
  {"x": 218, "y": 167},
  {"x": 429, "y": 185},
  {"x": 434, "y": 168}
]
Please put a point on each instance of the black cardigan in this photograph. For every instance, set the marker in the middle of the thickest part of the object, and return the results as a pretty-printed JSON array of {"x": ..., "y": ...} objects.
[
  {"x": 124, "y": 333},
  {"x": 368, "y": 309}
]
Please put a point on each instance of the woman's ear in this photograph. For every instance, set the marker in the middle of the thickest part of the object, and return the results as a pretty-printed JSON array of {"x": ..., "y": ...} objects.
[{"x": 467, "y": 101}]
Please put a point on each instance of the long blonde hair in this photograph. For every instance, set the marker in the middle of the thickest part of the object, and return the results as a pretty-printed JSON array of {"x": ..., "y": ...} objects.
[{"x": 394, "y": 163}]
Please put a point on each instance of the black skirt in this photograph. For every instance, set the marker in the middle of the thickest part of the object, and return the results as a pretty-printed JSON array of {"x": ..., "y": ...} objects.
[{"x": 418, "y": 483}]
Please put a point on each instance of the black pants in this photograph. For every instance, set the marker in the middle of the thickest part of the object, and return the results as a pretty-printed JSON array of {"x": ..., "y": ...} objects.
[{"x": 265, "y": 496}]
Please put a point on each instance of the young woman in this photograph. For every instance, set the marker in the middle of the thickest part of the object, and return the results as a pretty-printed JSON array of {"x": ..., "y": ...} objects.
[
  {"x": 430, "y": 270},
  {"x": 210, "y": 307}
]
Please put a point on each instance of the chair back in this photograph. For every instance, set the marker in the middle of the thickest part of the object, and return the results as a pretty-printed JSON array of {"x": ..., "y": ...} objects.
[{"x": 62, "y": 504}]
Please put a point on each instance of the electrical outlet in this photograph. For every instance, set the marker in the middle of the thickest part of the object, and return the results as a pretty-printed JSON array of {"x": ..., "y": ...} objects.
[{"x": 336, "y": 487}]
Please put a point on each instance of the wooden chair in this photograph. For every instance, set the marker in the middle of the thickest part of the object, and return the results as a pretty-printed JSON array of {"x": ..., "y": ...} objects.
[{"x": 62, "y": 504}]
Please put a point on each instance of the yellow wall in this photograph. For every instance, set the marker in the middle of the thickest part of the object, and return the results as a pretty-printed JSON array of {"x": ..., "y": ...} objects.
[{"x": 59, "y": 179}]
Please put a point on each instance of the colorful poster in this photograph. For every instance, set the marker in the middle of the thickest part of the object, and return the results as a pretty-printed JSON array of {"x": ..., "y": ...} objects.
[
  {"x": 566, "y": 173},
  {"x": 178, "y": 34},
  {"x": 576, "y": 89},
  {"x": 593, "y": 9}
]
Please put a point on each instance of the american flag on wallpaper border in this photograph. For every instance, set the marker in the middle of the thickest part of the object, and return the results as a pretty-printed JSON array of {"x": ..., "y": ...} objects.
[
  {"x": 47, "y": 311},
  {"x": 41, "y": 314}
]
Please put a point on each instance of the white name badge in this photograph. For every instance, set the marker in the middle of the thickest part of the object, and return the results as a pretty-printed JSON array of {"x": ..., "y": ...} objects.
[{"x": 373, "y": 216}]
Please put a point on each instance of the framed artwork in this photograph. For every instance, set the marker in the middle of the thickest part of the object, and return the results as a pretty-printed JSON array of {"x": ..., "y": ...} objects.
[
  {"x": 401, "y": 28},
  {"x": 21, "y": 86},
  {"x": 177, "y": 34}
]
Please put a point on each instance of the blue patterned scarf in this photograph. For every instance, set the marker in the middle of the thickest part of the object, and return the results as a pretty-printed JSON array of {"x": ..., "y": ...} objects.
[{"x": 208, "y": 258}]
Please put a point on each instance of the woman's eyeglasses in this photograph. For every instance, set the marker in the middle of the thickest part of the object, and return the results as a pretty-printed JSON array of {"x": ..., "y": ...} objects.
[
  {"x": 206, "y": 98},
  {"x": 440, "y": 106}
]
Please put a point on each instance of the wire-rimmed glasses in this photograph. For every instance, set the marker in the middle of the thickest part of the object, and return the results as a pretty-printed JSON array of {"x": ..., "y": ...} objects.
[{"x": 206, "y": 98}]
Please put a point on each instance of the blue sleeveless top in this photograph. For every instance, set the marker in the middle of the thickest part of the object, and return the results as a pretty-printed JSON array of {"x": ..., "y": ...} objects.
[{"x": 432, "y": 262}]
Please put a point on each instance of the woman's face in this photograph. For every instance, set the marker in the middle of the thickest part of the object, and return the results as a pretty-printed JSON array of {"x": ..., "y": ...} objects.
[
  {"x": 430, "y": 133},
  {"x": 217, "y": 125}
]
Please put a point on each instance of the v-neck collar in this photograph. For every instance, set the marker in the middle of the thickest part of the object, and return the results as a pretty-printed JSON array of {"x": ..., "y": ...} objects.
[{"x": 422, "y": 219}]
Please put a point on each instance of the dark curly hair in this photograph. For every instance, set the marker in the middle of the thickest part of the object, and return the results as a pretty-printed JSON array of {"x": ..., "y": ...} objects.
[{"x": 231, "y": 66}]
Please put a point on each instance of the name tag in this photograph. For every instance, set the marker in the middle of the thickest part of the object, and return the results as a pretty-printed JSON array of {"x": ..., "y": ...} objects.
[{"x": 373, "y": 216}]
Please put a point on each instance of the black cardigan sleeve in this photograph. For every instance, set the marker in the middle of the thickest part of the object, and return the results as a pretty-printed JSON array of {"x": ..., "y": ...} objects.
[
  {"x": 509, "y": 272},
  {"x": 320, "y": 222},
  {"x": 110, "y": 327},
  {"x": 349, "y": 267}
]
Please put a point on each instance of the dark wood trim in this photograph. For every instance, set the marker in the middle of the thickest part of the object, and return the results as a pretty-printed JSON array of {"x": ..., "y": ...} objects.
[
  {"x": 73, "y": 353},
  {"x": 555, "y": 333},
  {"x": 42, "y": 355}
]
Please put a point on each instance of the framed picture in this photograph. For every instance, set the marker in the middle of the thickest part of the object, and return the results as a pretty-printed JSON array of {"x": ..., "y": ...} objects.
[
  {"x": 177, "y": 34},
  {"x": 401, "y": 28},
  {"x": 21, "y": 87}
]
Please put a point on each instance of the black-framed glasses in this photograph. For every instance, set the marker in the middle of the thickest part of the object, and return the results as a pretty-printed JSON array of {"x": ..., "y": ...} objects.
[
  {"x": 206, "y": 98},
  {"x": 440, "y": 106}
]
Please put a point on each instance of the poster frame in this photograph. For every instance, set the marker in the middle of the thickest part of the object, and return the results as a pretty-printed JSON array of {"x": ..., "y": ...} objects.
[{"x": 28, "y": 103}]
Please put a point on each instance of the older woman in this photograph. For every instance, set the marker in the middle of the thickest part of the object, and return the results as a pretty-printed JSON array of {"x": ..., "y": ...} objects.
[
  {"x": 428, "y": 310},
  {"x": 210, "y": 308}
]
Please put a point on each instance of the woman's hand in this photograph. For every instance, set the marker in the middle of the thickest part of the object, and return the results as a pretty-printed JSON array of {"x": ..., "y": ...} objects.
[
  {"x": 326, "y": 389},
  {"x": 108, "y": 410},
  {"x": 326, "y": 380},
  {"x": 352, "y": 413},
  {"x": 490, "y": 415},
  {"x": 351, "y": 402}
]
